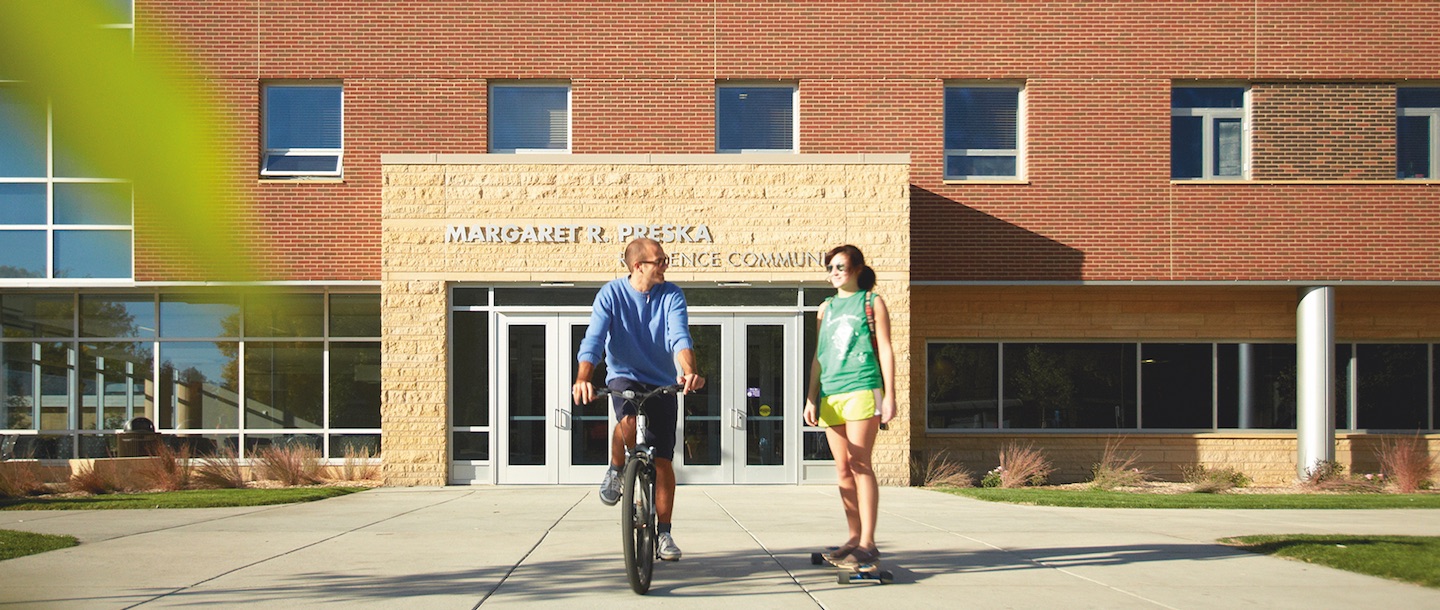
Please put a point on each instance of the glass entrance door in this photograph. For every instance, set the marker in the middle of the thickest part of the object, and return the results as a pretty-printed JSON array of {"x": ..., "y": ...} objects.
[
  {"x": 735, "y": 430},
  {"x": 542, "y": 437}
]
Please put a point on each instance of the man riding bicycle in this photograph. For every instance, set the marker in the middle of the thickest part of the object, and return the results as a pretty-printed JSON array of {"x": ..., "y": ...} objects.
[{"x": 642, "y": 326}]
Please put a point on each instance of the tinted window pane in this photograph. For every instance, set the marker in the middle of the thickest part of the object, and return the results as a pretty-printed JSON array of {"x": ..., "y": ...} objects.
[
  {"x": 537, "y": 296},
  {"x": 199, "y": 386},
  {"x": 962, "y": 385},
  {"x": 981, "y": 117},
  {"x": 1207, "y": 97},
  {"x": 1393, "y": 387},
  {"x": 355, "y": 385},
  {"x": 285, "y": 315},
  {"x": 37, "y": 315},
  {"x": 22, "y": 254},
  {"x": 284, "y": 385},
  {"x": 22, "y": 204},
  {"x": 1228, "y": 147},
  {"x": 355, "y": 446},
  {"x": 755, "y": 118},
  {"x": 1187, "y": 147},
  {"x": 113, "y": 379},
  {"x": 302, "y": 117},
  {"x": 1418, "y": 97},
  {"x": 197, "y": 315},
  {"x": 1412, "y": 147},
  {"x": 529, "y": 118},
  {"x": 785, "y": 297},
  {"x": 959, "y": 166},
  {"x": 1061, "y": 385},
  {"x": 93, "y": 254},
  {"x": 355, "y": 315},
  {"x": 302, "y": 163},
  {"x": 1177, "y": 385},
  {"x": 471, "y": 376},
  {"x": 472, "y": 297},
  {"x": 1256, "y": 384},
  {"x": 471, "y": 446},
  {"x": 22, "y": 150},
  {"x": 1344, "y": 365},
  {"x": 117, "y": 315},
  {"x": 92, "y": 203}
]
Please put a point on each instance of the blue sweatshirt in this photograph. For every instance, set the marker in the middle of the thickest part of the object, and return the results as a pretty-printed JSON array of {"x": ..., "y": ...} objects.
[{"x": 640, "y": 332}]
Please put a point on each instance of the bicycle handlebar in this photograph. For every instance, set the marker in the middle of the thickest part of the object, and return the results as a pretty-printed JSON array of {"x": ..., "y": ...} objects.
[{"x": 640, "y": 396}]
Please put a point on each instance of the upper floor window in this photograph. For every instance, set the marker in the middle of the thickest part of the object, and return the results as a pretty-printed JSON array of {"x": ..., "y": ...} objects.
[
  {"x": 304, "y": 130},
  {"x": 530, "y": 117},
  {"x": 756, "y": 118},
  {"x": 1417, "y": 130},
  {"x": 983, "y": 124},
  {"x": 1207, "y": 132},
  {"x": 58, "y": 218}
]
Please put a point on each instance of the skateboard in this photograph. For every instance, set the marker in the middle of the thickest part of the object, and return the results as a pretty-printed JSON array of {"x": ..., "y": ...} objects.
[{"x": 862, "y": 573}]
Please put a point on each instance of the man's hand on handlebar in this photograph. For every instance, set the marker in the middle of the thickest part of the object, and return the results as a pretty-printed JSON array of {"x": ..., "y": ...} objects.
[
  {"x": 582, "y": 392},
  {"x": 690, "y": 381}
]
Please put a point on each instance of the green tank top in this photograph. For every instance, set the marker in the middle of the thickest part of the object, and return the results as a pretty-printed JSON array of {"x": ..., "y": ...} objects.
[{"x": 846, "y": 353}]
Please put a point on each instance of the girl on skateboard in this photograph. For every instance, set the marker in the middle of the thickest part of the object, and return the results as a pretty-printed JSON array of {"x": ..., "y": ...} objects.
[{"x": 852, "y": 381}]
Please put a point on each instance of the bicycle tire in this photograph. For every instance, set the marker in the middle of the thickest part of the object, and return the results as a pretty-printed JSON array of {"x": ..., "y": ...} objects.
[{"x": 637, "y": 525}]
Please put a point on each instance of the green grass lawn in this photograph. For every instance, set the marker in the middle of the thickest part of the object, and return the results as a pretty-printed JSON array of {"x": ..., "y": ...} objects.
[
  {"x": 194, "y": 498},
  {"x": 19, "y": 544},
  {"x": 1115, "y": 499},
  {"x": 1413, "y": 559}
]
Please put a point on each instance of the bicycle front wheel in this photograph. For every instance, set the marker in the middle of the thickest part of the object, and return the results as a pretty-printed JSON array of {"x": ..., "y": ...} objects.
[{"x": 637, "y": 524}]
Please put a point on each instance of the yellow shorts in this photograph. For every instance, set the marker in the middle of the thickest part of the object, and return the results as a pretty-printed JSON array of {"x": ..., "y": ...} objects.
[{"x": 837, "y": 409}]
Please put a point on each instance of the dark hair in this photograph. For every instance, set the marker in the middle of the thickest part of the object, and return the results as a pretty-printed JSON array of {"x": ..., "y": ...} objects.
[{"x": 856, "y": 258}]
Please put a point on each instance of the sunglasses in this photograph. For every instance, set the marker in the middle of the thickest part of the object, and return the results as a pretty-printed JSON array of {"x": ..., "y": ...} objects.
[
  {"x": 836, "y": 267},
  {"x": 663, "y": 262}
]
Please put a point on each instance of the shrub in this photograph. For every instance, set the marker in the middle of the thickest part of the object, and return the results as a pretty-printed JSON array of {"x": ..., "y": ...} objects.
[
  {"x": 1116, "y": 469},
  {"x": 290, "y": 465},
  {"x": 358, "y": 465},
  {"x": 169, "y": 470},
  {"x": 20, "y": 479},
  {"x": 938, "y": 469},
  {"x": 95, "y": 480},
  {"x": 1330, "y": 476},
  {"x": 220, "y": 470},
  {"x": 1406, "y": 463},
  {"x": 1022, "y": 465},
  {"x": 1213, "y": 480}
]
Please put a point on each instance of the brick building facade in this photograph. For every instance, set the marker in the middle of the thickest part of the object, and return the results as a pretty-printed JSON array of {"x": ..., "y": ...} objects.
[{"x": 1092, "y": 243}]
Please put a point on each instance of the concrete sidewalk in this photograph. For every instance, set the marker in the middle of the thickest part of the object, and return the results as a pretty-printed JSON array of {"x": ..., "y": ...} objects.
[{"x": 745, "y": 547}]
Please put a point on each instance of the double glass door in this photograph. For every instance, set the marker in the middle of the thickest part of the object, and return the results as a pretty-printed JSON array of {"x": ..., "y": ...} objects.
[{"x": 736, "y": 430}]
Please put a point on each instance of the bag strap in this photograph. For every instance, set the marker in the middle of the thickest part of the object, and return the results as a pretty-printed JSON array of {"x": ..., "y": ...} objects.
[{"x": 870, "y": 321}]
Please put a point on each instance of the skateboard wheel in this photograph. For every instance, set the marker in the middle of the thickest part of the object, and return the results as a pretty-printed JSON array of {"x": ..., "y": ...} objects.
[
  {"x": 816, "y": 559},
  {"x": 842, "y": 578},
  {"x": 886, "y": 577}
]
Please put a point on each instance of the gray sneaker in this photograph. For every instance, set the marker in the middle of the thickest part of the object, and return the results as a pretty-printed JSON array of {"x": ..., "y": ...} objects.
[
  {"x": 610, "y": 487},
  {"x": 668, "y": 550}
]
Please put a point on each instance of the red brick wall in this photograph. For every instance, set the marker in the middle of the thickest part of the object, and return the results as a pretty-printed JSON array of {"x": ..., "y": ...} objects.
[
  {"x": 1323, "y": 131},
  {"x": 1098, "y": 204}
]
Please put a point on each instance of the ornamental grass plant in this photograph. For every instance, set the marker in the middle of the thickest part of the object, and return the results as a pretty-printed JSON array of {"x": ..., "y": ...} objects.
[
  {"x": 358, "y": 465},
  {"x": 290, "y": 465},
  {"x": 1021, "y": 465},
  {"x": 169, "y": 470},
  {"x": 19, "y": 479},
  {"x": 1205, "y": 480},
  {"x": 221, "y": 470},
  {"x": 1117, "y": 468},
  {"x": 1406, "y": 463},
  {"x": 92, "y": 479},
  {"x": 940, "y": 469}
]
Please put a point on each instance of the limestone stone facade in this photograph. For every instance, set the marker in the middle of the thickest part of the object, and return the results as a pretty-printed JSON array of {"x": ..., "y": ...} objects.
[{"x": 759, "y": 212}]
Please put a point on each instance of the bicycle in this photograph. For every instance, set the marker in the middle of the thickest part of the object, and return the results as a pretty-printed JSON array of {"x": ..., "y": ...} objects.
[{"x": 638, "y": 517}]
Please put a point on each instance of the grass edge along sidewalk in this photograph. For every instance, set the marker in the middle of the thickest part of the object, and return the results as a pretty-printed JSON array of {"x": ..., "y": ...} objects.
[
  {"x": 19, "y": 544},
  {"x": 1411, "y": 559},
  {"x": 1116, "y": 499},
  {"x": 190, "y": 498}
]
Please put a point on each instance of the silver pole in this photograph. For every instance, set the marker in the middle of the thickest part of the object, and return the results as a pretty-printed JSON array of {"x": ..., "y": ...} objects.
[{"x": 1315, "y": 373}]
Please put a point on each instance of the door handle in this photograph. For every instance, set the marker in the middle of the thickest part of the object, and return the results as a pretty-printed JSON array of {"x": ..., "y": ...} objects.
[
  {"x": 562, "y": 419},
  {"x": 739, "y": 419}
]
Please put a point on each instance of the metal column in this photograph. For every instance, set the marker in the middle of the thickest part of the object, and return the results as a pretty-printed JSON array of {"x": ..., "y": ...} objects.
[{"x": 1315, "y": 373}]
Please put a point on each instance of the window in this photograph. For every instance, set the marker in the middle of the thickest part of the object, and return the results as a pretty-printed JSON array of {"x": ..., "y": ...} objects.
[
  {"x": 304, "y": 129},
  {"x": 1180, "y": 386},
  {"x": 530, "y": 118},
  {"x": 1417, "y": 130},
  {"x": 756, "y": 118},
  {"x": 982, "y": 132},
  {"x": 58, "y": 219},
  {"x": 1207, "y": 133}
]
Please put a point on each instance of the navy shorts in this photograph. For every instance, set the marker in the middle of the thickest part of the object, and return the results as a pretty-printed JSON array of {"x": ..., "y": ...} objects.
[{"x": 660, "y": 412}]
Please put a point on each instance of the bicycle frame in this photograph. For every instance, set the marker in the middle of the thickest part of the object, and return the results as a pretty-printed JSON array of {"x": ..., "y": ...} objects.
[{"x": 638, "y": 510}]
